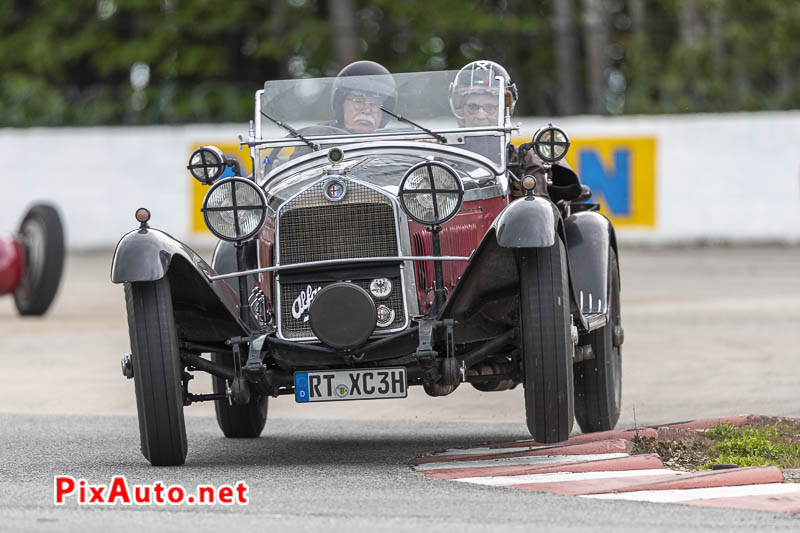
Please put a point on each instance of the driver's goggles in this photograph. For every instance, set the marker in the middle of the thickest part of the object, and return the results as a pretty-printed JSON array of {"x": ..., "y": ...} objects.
[{"x": 489, "y": 109}]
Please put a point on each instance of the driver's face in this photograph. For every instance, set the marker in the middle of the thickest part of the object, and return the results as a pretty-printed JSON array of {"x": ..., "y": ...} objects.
[
  {"x": 480, "y": 110},
  {"x": 362, "y": 114}
]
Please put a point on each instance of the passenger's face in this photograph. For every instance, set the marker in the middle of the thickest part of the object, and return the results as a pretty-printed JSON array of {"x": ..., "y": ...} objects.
[
  {"x": 362, "y": 114},
  {"x": 480, "y": 110}
]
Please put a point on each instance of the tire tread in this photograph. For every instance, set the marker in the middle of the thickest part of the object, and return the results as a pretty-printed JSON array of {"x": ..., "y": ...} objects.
[
  {"x": 548, "y": 391},
  {"x": 157, "y": 372},
  {"x": 38, "y": 301}
]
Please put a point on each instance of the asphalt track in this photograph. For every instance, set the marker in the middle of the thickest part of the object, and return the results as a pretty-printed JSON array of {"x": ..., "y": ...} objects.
[{"x": 709, "y": 332}]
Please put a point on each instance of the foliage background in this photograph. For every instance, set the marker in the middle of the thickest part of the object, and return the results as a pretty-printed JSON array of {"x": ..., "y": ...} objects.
[{"x": 92, "y": 62}]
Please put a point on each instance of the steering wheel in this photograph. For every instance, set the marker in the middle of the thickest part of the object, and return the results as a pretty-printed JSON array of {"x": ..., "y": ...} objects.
[{"x": 317, "y": 129}]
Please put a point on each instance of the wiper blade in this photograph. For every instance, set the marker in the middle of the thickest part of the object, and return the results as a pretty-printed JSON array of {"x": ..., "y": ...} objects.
[
  {"x": 439, "y": 137},
  {"x": 293, "y": 131}
]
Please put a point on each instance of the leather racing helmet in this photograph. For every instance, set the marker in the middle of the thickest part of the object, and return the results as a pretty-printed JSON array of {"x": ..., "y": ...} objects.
[
  {"x": 379, "y": 85},
  {"x": 480, "y": 77}
]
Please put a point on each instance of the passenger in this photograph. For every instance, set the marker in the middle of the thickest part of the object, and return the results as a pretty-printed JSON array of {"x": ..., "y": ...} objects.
[
  {"x": 474, "y": 96},
  {"x": 356, "y": 102}
]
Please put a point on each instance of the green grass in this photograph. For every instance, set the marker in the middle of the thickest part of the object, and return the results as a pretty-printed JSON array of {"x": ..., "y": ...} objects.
[{"x": 753, "y": 446}]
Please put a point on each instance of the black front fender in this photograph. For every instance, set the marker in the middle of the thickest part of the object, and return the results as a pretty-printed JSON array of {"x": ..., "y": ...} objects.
[
  {"x": 589, "y": 236},
  {"x": 205, "y": 310},
  {"x": 530, "y": 222},
  {"x": 145, "y": 255}
]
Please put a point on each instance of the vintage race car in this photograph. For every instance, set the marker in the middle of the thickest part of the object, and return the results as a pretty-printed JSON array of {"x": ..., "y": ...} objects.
[
  {"x": 32, "y": 260},
  {"x": 356, "y": 264}
]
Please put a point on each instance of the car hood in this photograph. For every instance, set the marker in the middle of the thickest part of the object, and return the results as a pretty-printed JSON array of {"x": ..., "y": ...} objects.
[{"x": 384, "y": 170}]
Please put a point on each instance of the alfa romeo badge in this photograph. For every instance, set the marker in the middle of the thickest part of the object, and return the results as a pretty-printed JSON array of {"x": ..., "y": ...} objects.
[
  {"x": 335, "y": 190},
  {"x": 385, "y": 316}
]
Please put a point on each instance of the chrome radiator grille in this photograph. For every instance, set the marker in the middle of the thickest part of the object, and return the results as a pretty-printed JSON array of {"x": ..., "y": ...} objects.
[
  {"x": 294, "y": 328},
  {"x": 313, "y": 228}
]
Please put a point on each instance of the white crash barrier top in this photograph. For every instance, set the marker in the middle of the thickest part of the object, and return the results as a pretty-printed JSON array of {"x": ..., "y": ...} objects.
[{"x": 662, "y": 179}]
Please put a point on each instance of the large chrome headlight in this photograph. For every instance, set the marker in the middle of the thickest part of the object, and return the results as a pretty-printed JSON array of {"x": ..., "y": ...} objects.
[
  {"x": 235, "y": 209},
  {"x": 431, "y": 193}
]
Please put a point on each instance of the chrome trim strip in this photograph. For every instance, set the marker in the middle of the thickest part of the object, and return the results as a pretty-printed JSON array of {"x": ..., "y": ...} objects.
[
  {"x": 255, "y": 133},
  {"x": 214, "y": 254},
  {"x": 409, "y": 274},
  {"x": 507, "y": 128},
  {"x": 332, "y": 262},
  {"x": 484, "y": 193}
]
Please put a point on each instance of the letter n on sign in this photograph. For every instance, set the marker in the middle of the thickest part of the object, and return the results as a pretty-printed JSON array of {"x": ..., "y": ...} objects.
[{"x": 621, "y": 174}]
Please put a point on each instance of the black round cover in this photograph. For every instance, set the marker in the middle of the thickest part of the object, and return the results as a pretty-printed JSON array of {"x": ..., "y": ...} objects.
[{"x": 342, "y": 315}]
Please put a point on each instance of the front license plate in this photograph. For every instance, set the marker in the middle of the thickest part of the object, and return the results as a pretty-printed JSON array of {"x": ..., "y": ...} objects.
[{"x": 336, "y": 385}]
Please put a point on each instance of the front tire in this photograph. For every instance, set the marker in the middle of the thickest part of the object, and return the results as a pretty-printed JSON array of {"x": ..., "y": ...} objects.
[
  {"x": 238, "y": 421},
  {"x": 547, "y": 347},
  {"x": 598, "y": 381},
  {"x": 157, "y": 371},
  {"x": 42, "y": 235}
]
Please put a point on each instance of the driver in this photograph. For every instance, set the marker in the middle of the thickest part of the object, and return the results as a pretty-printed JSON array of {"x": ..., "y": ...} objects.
[
  {"x": 356, "y": 102},
  {"x": 474, "y": 102}
]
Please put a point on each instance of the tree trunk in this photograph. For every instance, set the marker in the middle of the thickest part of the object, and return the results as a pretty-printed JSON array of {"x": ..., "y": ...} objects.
[
  {"x": 566, "y": 58},
  {"x": 595, "y": 40},
  {"x": 343, "y": 30},
  {"x": 717, "y": 29},
  {"x": 690, "y": 29},
  {"x": 278, "y": 29},
  {"x": 638, "y": 11}
]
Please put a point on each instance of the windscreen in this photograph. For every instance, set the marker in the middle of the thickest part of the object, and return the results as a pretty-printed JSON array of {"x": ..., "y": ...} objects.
[{"x": 360, "y": 109}]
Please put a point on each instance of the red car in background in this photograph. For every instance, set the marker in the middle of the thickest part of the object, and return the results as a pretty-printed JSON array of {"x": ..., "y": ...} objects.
[{"x": 32, "y": 260}]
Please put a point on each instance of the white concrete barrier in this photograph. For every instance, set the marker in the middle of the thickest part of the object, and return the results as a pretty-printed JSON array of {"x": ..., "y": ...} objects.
[
  {"x": 97, "y": 177},
  {"x": 726, "y": 177},
  {"x": 718, "y": 177}
]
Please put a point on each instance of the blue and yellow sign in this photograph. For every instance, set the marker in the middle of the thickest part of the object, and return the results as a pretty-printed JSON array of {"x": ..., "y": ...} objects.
[
  {"x": 619, "y": 170},
  {"x": 621, "y": 174}
]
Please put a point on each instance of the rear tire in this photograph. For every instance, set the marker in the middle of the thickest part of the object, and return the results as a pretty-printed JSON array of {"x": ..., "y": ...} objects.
[
  {"x": 238, "y": 421},
  {"x": 157, "y": 371},
  {"x": 42, "y": 235},
  {"x": 547, "y": 347},
  {"x": 598, "y": 381}
]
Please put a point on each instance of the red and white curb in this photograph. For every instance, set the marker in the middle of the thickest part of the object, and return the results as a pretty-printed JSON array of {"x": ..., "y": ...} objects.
[{"x": 599, "y": 465}]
